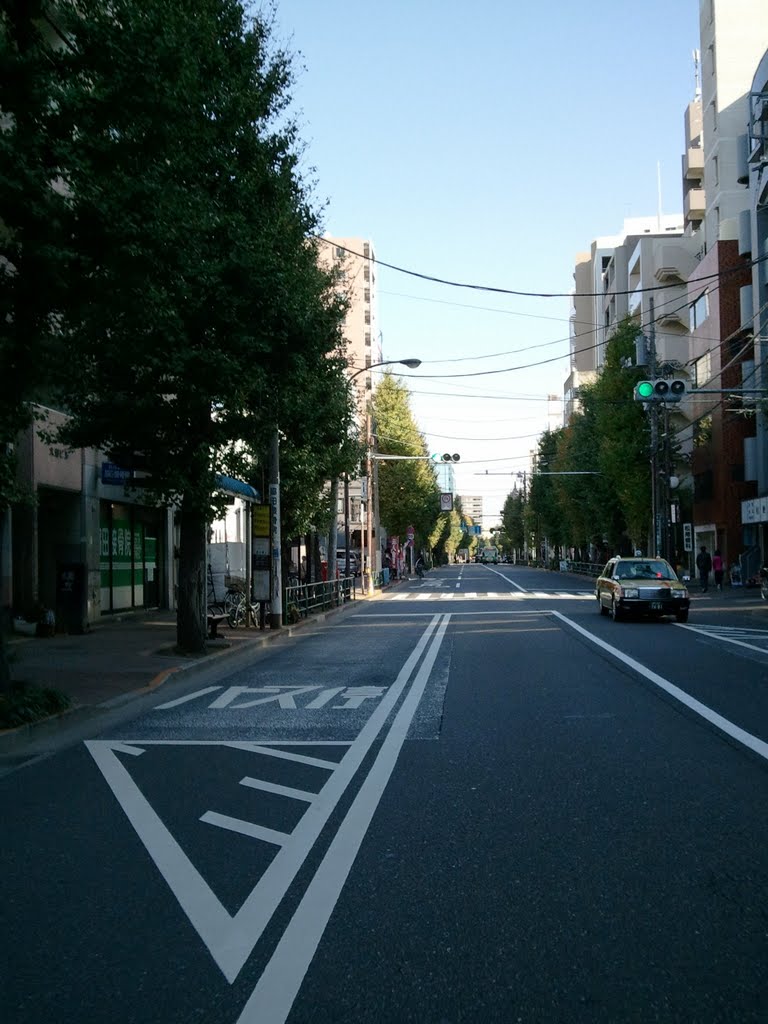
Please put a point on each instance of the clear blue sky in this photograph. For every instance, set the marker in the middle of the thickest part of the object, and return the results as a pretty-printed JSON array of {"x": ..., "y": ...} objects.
[{"x": 487, "y": 144}]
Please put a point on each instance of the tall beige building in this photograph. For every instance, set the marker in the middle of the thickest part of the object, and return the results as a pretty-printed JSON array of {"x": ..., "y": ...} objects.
[{"x": 355, "y": 259}]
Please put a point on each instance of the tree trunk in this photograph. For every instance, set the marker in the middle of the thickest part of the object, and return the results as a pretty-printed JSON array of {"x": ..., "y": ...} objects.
[{"x": 191, "y": 626}]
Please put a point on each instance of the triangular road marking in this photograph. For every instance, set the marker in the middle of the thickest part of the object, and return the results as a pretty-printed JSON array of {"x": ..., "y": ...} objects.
[{"x": 229, "y": 938}]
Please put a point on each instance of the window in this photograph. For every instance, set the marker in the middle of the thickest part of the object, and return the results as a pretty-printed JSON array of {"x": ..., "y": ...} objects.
[
  {"x": 702, "y": 370},
  {"x": 339, "y": 253},
  {"x": 715, "y": 171},
  {"x": 367, "y": 295},
  {"x": 698, "y": 311},
  {"x": 367, "y": 339},
  {"x": 367, "y": 316}
]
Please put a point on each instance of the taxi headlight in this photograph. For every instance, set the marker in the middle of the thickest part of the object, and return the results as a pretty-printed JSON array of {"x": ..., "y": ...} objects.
[
  {"x": 630, "y": 592},
  {"x": 679, "y": 593}
]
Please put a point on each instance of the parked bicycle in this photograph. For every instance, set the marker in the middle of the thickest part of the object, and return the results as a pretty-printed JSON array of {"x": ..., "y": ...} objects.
[{"x": 764, "y": 583}]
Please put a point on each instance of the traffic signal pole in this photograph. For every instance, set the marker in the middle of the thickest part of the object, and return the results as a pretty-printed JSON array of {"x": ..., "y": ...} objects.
[{"x": 654, "y": 414}]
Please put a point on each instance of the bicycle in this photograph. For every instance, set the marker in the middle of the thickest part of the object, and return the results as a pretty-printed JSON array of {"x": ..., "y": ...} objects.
[{"x": 239, "y": 608}]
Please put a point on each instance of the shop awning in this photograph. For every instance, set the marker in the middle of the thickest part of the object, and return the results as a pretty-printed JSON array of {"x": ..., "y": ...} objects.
[{"x": 239, "y": 488}]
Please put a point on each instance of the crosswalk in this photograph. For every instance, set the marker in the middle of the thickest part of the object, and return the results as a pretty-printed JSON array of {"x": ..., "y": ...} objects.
[
  {"x": 741, "y": 636},
  {"x": 489, "y": 595}
]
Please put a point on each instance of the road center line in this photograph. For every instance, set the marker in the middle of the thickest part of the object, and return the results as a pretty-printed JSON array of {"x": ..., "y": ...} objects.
[{"x": 729, "y": 728}]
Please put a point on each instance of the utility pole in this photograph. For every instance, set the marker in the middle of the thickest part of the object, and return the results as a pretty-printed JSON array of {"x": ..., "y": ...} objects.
[
  {"x": 369, "y": 501},
  {"x": 654, "y": 414},
  {"x": 276, "y": 576}
]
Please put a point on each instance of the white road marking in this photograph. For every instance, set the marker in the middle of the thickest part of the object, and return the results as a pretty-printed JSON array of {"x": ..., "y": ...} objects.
[
  {"x": 729, "y": 728},
  {"x": 231, "y": 939},
  {"x": 273, "y": 787},
  {"x": 720, "y": 634},
  {"x": 506, "y": 579},
  {"x": 273, "y": 997},
  {"x": 324, "y": 697},
  {"x": 183, "y": 700},
  {"x": 473, "y": 595},
  {"x": 246, "y": 828}
]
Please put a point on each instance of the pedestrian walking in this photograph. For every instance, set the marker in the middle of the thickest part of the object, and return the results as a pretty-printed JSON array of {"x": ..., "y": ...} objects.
[
  {"x": 704, "y": 565},
  {"x": 718, "y": 568}
]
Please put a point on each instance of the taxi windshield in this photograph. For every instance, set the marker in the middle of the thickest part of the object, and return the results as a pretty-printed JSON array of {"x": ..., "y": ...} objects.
[{"x": 647, "y": 570}]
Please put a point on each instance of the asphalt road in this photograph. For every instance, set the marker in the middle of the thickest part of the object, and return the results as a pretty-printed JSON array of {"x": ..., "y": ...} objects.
[{"x": 473, "y": 800}]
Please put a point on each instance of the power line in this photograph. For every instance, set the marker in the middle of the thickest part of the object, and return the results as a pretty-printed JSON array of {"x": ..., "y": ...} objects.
[{"x": 513, "y": 291}]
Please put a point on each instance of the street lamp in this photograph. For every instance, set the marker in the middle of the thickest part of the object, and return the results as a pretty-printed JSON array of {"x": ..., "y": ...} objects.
[{"x": 411, "y": 364}]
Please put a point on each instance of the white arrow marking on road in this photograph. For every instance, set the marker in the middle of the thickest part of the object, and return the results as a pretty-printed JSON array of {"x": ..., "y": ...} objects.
[{"x": 230, "y": 939}]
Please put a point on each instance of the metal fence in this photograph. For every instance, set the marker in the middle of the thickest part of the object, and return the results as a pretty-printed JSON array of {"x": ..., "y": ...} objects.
[
  {"x": 309, "y": 598},
  {"x": 584, "y": 568}
]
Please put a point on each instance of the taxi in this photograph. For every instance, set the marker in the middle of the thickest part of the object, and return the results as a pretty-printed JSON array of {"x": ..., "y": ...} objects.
[{"x": 641, "y": 586}]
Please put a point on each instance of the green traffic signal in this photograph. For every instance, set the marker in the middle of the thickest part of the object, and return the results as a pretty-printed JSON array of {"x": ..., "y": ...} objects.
[{"x": 660, "y": 390}]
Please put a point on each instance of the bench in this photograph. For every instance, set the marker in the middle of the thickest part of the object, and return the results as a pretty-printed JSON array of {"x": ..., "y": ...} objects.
[{"x": 215, "y": 619}]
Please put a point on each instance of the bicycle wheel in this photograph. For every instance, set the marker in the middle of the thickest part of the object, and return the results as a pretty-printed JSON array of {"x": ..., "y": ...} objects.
[{"x": 236, "y": 614}]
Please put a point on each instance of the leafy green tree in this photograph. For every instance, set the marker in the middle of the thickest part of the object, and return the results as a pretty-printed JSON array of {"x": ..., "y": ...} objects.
[
  {"x": 34, "y": 231},
  {"x": 513, "y": 520},
  {"x": 622, "y": 443},
  {"x": 408, "y": 491},
  {"x": 198, "y": 317}
]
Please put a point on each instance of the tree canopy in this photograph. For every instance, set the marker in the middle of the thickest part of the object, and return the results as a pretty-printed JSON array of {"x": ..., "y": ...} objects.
[{"x": 196, "y": 318}]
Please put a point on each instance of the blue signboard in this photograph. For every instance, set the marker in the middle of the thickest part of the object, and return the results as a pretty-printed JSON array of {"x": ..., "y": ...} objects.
[{"x": 111, "y": 473}]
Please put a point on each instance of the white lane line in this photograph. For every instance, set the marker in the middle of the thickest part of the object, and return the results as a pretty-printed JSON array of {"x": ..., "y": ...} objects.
[
  {"x": 507, "y": 579},
  {"x": 722, "y": 636},
  {"x": 245, "y": 828},
  {"x": 273, "y": 997},
  {"x": 729, "y": 728},
  {"x": 273, "y": 787},
  {"x": 447, "y": 597}
]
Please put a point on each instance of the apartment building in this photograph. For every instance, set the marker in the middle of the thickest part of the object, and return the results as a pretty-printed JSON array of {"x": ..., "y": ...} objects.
[
  {"x": 641, "y": 268},
  {"x": 754, "y": 510},
  {"x": 472, "y": 506},
  {"x": 733, "y": 39},
  {"x": 354, "y": 258}
]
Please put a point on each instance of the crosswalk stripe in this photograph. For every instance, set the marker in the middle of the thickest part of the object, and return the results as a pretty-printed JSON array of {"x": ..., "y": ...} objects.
[{"x": 536, "y": 595}]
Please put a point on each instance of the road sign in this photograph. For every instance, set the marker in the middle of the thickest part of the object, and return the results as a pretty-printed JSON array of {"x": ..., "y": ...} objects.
[
  {"x": 687, "y": 537},
  {"x": 410, "y": 533},
  {"x": 446, "y": 502}
]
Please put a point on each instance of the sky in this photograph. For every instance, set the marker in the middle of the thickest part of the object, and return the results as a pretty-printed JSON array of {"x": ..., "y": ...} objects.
[{"x": 487, "y": 144}]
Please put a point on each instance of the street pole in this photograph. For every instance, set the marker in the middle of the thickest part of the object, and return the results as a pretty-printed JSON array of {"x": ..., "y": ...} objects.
[
  {"x": 346, "y": 524},
  {"x": 654, "y": 414},
  {"x": 276, "y": 595},
  {"x": 369, "y": 502}
]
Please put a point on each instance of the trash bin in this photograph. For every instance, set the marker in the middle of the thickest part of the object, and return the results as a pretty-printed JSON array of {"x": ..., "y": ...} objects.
[{"x": 71, "y": 612}]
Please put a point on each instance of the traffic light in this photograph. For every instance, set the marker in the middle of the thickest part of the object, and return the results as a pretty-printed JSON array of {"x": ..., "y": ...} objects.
[
  {"x": 437, "y": 457},
  {"x": 662, "y": 389}
]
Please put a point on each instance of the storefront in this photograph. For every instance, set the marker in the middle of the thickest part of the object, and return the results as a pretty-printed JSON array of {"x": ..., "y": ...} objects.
[{"x": 133, "y": 560}]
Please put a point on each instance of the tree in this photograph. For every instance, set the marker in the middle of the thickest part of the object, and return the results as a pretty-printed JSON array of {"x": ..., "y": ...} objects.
[
  {"x": 408, "y": 491},
  {"x": 197, "y": 315},
  {"x": 33, "y": 239}
]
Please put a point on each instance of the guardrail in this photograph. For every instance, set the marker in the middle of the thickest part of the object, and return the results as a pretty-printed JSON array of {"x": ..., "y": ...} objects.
[
  {"x": 585, "y": 568},
  {"x": 309, "y": 598}
]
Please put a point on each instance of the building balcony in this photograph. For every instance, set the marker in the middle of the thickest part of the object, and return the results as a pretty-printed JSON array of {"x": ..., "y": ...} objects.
[
  {"x": 693, "y": 164},
  {"x": 695, "y": 204}
]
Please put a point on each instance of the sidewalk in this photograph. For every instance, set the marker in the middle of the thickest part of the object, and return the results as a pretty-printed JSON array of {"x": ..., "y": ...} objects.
[{"x": 120, "y": 657}]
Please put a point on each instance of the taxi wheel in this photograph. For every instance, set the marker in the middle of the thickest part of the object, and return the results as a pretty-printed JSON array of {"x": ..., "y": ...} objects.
[
  {"x": 616, "y": 614},
  {"x": 681, "y": 616}
]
